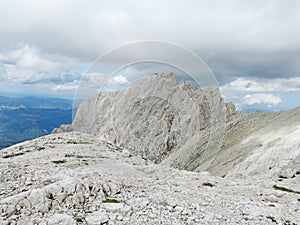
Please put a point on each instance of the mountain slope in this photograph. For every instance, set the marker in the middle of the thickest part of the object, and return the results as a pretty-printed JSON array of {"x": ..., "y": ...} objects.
[
  {"x": 74, "y": 178},
  {"x": 261, "y": 144}
]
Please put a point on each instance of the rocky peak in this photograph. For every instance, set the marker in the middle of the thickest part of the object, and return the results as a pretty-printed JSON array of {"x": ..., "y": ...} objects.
[{"x": 154, "y": 117}]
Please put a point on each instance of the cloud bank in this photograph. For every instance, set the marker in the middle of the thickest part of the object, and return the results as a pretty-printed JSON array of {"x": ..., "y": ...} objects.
[{"x": 253, "y": 47}]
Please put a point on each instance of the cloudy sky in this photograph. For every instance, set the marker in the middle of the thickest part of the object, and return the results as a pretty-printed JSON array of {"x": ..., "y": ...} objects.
[{"x": 252, "y": 47}]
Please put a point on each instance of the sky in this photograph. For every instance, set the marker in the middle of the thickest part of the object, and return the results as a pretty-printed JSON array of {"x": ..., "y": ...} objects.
[{"x": 253, "y": 48}]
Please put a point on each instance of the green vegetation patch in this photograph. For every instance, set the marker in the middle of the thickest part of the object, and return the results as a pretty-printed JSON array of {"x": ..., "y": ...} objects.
[
  {"x": 110, "y": 200},
  {"x": 78, "y": 156},
  {"x": 285, "y": 189},
  {"x": 59, "y": 161},
  {"x": 74, "y": 142},
  {"x": 272, "y": 219},
  {"x": 50, "y": 196},
  {"x": 207, "y": 184},
  {"x": 13, "y": 155},
  {"x": 78, "y": 220},
  {"x": 39, "y": 148}
]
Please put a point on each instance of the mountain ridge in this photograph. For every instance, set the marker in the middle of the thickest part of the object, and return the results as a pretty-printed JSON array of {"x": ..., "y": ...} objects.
[{"x": 34, "y": 102}]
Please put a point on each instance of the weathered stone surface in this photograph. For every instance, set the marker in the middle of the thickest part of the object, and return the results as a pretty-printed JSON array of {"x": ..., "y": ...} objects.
[
  {"x": 61, "y": 219},
  {"x": 98, "y": 217},
  {"x": 94, "y": 184},
  {"x": 63, "y": 129}
]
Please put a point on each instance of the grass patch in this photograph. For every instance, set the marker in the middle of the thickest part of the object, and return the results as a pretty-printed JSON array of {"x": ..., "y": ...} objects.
[
  {"x": 207, "y": 184},
  {"x": 59, "y": 161},
  {"x": 12, "y": 155},
  {"x": 288, "y": 222},
  {"x": 109, "y": 200},
  {"x": 78, "y": 220},
  {"x": 77, "y": 156},
  {"x": 285, "y": 189},
  {"x": 296, "y": 174},
  {"x": 50, "y": 196},
  {"x": 112, "y": 147},
  {"x": 74, "y": 142},
  {"x": 85, "y": 162},
  {"x": 272, "y": 219},
  {"x": 39, "y": 148}
]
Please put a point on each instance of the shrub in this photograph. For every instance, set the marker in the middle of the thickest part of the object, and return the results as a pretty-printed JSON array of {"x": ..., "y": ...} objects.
[
  {"x": 109, "y": 200},
  {"x": 207, "y": 184},
  {"x": 285, "y": 189},
  {"x": 59, "y": 161}
]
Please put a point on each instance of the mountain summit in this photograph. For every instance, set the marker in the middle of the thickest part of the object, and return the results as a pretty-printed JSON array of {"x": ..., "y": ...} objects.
[
  {"x": 157, "y": 117},
  {"x": 157, "y": 152}
]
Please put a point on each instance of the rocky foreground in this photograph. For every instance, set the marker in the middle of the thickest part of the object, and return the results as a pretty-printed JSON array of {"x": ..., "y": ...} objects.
[{"x": 89, "y": 177}]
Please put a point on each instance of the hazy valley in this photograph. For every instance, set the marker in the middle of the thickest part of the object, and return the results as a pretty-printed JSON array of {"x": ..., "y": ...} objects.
[{"x": 30, "y": 117}]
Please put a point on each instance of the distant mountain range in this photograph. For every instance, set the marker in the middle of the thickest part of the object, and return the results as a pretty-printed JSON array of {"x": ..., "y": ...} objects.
[
  {"x": 34, "y": 102},
  {"x": 30, "y": 117}
]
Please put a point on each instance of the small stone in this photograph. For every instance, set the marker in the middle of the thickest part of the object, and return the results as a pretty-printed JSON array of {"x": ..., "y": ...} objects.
[
  {"x": 112, "y": 207},
  {"x": 10, "y": 210},
  {"x": 98, "y": 217},
  {"x": 61, "y": 219}
]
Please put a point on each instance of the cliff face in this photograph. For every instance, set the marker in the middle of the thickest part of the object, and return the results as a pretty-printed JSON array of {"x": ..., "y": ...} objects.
[{"x": 158, "y": 119}]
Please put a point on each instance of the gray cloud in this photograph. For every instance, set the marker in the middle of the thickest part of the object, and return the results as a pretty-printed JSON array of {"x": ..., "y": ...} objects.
[
  {"x": 236, "y": 38},
  {"x": 89, "y": 28}
]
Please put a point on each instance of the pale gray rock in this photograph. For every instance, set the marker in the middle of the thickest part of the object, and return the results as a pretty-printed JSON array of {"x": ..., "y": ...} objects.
[
  {"x": 61, "y": 219},
  {"x": 97, "y": 217},
  {"x": 230, "y": 109},
  {"x": 63, "y": 129}
]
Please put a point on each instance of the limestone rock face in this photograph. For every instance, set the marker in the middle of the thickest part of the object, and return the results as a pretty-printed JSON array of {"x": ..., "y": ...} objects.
[
  {"x": 230, "y": 109},
  {"x": 155, "y": 118}
]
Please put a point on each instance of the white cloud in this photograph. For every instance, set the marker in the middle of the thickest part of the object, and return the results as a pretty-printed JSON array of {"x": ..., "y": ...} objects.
[
  {"x": 65, "y": 87},
  {"x": 99, "y": 80},
  {"x": 27, "y": 64},
  {"x": 272, "y": 93},
  {"x": 261, "y": 98},
  {"x": 120, "y": 79},
  {"x": 264, "y": 85},
  {"x": 93, "y": 79}
]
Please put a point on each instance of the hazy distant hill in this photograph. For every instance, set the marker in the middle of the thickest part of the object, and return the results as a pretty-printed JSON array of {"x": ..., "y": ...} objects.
[
  {"x": 34, "y": 102},
  {"x": 30, "y": 117}
]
